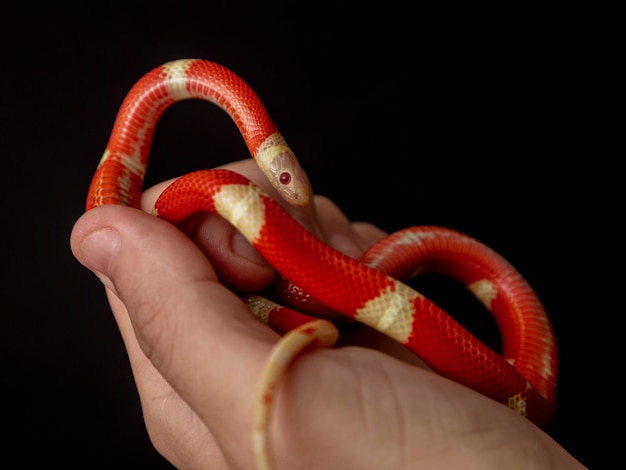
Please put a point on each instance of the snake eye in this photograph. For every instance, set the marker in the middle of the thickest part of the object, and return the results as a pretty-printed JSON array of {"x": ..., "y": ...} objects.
[{"x": 285, "y": 177}]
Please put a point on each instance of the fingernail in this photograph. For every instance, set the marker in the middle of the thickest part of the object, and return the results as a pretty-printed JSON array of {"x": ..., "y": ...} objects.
[{"x": 98, "y": 250}]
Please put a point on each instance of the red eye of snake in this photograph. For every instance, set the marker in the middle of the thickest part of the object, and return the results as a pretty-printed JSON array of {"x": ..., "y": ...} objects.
[{"x": 285, "y": 178}]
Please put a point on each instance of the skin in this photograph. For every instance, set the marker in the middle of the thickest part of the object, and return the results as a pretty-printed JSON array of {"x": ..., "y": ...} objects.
[{"x": 197, "y": 353}]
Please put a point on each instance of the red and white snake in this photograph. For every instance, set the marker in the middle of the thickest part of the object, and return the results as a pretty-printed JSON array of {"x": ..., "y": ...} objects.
[{"x": 369, "y": 290}]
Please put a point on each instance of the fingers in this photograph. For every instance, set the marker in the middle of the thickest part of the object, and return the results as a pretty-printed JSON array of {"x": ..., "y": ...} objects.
[
  {"x": 323, "y": 218},
  {"x": 190, "y": 327},
  {"x": 238, "y": 264}
]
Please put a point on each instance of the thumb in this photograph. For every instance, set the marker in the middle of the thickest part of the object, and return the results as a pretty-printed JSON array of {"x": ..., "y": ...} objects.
[{"x": 187, "y": 324}]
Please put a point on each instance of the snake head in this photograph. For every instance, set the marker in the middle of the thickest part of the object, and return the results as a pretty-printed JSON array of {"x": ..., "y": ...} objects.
[
  {"x": 282, "y": 168},
  {"x": 290, "y": 180}
]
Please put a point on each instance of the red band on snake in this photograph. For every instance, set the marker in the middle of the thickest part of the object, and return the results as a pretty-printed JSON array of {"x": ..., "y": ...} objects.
[{"x": 369, "y": 290}]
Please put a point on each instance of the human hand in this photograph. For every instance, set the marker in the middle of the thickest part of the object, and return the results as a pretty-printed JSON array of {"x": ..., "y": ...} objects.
[{"x": 197, "y": 355}]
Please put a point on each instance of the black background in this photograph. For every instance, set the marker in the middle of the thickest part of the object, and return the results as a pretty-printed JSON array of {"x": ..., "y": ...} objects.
[{"x": 473, "y": 120}]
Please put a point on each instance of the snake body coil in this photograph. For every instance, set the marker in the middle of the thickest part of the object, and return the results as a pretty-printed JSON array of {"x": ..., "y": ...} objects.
[{"x": 369, "y": 290}]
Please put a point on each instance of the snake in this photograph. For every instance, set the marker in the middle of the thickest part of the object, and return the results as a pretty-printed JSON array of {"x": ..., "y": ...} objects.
[{"x": 316, "y": 283}]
